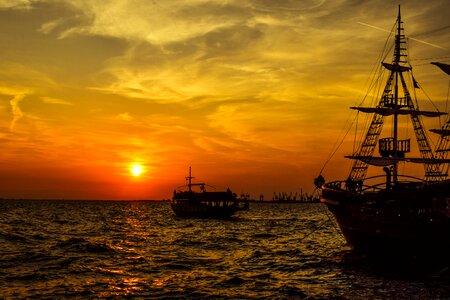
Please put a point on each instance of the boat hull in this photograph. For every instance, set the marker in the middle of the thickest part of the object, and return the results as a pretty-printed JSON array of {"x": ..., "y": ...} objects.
[
  {"x": 193, "y": 208},
  {"x": 204, "y": 204},
  {"x": 413, "y": 220}
]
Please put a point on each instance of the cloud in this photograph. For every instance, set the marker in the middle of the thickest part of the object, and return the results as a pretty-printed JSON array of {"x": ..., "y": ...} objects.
[
  {"x": 50, "y": 100},
  {"x": 215, "y": 50},
  {"x": 48, "y": 27},
  {"x": 12, "y": 90},
  {"x": 158, "y": 22},
  {"x": 19, "y": 76},
  {"x": 16, "y": 4},
  {"x": 16, "y": 111},
  {"x": 124, "y": 117}
]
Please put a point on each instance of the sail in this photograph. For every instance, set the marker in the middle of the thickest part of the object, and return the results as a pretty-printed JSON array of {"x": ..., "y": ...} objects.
[
  {"x": 387, "y": 161},
  {"x": 443, "y": 67},
  {"x": 419, "y": 160},
  {"x": 387, "y": 111},
  {"x": 396, "y": 68},
  {"x": 442, "y": 132},
  {"x": 375, "y": 161}
]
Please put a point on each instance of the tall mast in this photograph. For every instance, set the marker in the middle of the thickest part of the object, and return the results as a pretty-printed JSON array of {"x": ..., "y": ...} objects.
[
  {"x": 395, "y": 101},
  {"x": 396, "y": 64}
]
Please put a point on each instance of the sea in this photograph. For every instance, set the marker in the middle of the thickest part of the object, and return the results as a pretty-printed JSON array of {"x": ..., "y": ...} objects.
[{"x": 139, "y": 250}]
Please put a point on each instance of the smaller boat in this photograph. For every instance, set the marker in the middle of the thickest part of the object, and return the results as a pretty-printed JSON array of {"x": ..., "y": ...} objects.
[{"x": 202, "y": 204}]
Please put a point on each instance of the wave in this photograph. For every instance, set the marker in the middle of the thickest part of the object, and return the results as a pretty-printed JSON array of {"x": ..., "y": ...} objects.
[
  {"x": 81, "y": 245},
  {"x": 77, "y": 249}
]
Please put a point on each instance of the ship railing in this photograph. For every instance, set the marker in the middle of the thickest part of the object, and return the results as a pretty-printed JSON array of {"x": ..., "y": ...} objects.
[
  {"x": 389, "y": 101},
  {"x": 363, "y": 187},
  {"x": 373, "y": 188},
  {"x": 180, "y": 200},
  {"x": 404, "y": 180},
  {"x": 334, "y": 185}
]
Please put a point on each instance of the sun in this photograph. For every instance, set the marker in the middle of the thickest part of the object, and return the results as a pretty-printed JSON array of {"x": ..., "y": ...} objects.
[{"x": 136, "y": 169}]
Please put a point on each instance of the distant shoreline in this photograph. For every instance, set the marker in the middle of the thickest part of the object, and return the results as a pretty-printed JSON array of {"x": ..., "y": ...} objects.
[
  {"x": 62, "y": 199},
  {"x": 156, "y": 200}
]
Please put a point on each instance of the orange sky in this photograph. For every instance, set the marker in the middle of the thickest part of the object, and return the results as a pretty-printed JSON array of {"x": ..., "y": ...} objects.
[{"x": 251, "y": 94}]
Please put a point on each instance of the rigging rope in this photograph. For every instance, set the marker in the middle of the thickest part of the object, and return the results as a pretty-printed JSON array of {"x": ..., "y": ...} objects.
[
  {"x": 336, "y": 148},
  {"x": 329, "y": 219},
  {"x": 376, "y": 84},
  {"x": 356, "y": 132},
  {"x": 446, "y": 101},
  {"x": 374, "y": 79}
]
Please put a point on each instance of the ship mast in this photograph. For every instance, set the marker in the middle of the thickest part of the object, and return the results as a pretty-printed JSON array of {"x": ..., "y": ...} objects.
[
  {"x": 396, "y": 64},
  {"x": 189, "y": 178},
  {"x": 393, "y": 149},
  {"x": 443, "y": 146}
]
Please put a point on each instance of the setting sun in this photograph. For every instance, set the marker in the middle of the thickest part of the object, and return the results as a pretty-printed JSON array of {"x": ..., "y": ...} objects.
[
  {"x": 136, "y": 169},
  {"x": 250, "y": 95}
]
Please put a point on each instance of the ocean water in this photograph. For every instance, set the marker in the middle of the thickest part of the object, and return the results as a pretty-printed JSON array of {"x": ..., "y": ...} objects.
[{"x": 140, "y": 250}]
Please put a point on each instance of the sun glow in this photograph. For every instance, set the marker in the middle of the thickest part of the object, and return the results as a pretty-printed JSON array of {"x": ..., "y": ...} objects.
[{"x": 136, "y": 169}]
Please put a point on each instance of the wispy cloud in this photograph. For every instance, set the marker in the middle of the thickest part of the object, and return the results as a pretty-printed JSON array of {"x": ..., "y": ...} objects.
[
  {"x": 15, "y": 4},
  {"x": 50, "y": 100},
  {"x": 48, "y": 27},
  {"x": 16, "y": 111},
  {"x": 124, "y": 117},
  {"x": 158, "y": 22}
]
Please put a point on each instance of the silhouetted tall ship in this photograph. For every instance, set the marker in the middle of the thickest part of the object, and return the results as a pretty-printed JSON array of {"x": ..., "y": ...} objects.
[
  {"x": 393, "y": 212},
  {"x": 202, "y": 204}
]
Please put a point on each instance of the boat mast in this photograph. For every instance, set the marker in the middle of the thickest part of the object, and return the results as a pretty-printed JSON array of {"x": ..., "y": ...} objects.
[
  {"x": 189, "y": 178},
  {"x": 396, "y": 64}
]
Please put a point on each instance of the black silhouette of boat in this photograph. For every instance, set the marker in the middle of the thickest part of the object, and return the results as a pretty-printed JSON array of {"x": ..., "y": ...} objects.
[
  {"x": 395, "y": 213},
  {"x": 203, "y": 204}
]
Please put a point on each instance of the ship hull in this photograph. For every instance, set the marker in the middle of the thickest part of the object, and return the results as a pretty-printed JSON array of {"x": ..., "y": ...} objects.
[{"x": 410, "y": 220}]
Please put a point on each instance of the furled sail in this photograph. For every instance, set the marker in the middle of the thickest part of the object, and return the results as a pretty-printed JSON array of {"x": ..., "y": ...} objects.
[
  {"x": 396, "y": 68},
  {"x": 387, "y": 161},
  {"x": 387, "y": 111},
  {"x": 419, "y": 160},
  {"x": 375, "y": 161},
  {"x": 443, "y": 67},
  {"x": 442, "y": 132}
]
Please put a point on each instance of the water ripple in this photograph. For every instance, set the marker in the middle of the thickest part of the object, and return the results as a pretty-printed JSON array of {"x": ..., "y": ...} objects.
[{"x": 99, "y": 249}]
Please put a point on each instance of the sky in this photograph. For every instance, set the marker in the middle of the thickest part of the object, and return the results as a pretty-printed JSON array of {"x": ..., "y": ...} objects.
[{"x": 253, "y": 95}]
